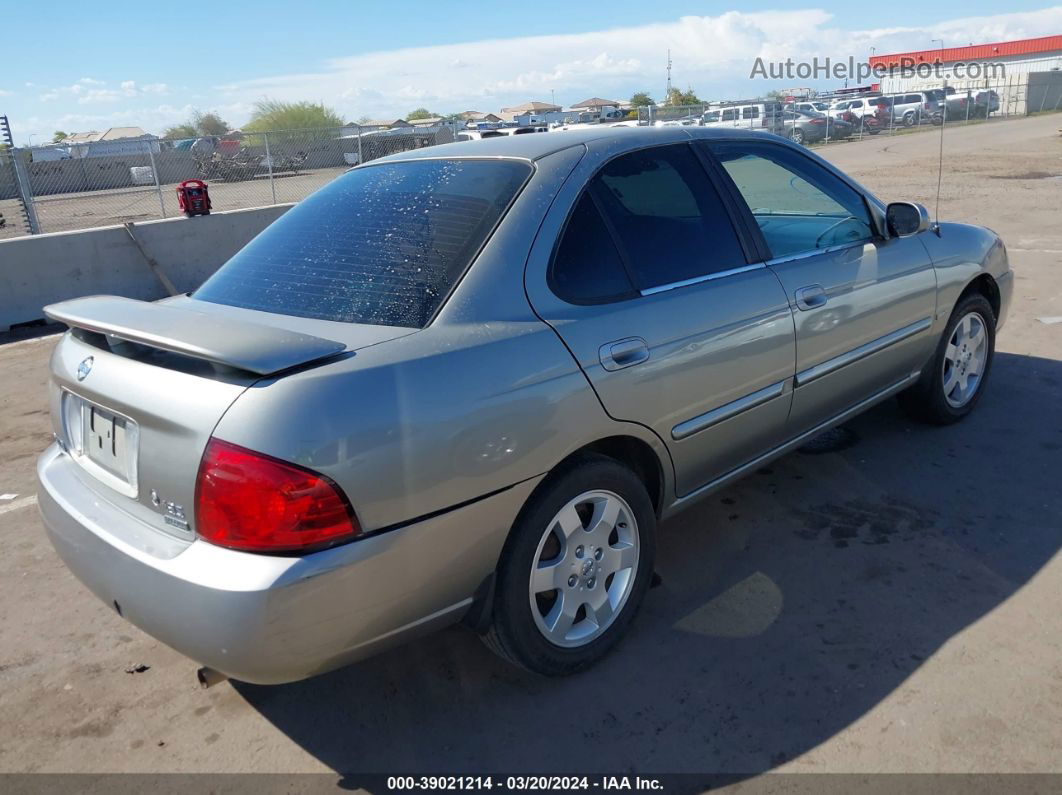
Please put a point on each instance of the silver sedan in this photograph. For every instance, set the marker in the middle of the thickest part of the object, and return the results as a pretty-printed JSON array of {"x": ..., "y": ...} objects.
[{"x": 465, "y": 383}]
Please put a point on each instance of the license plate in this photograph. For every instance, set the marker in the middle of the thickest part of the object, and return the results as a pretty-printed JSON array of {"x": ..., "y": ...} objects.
[
  {"x": 106, "y": 440},
  {"x": 104, "y": 443}
]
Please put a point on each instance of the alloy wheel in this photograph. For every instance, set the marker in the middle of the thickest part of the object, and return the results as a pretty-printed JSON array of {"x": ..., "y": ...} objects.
[
  {"x": 584, "y": 568},
  {"x": 964, "y": 360}
]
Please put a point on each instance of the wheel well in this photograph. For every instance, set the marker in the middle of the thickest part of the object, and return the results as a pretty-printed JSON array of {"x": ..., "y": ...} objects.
[
  {"x": 986, "y": 286},
  {"x": 633, "y": 453},
  {"x": 637, "y": 456}
]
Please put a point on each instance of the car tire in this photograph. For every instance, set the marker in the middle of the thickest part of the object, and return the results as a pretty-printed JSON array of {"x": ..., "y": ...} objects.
[
  {"x": 796, "y": 135},
  {"x": 601, "y": 572},
  {"x": 909, "y": 119},
  {"x": 944, "y": 394}
]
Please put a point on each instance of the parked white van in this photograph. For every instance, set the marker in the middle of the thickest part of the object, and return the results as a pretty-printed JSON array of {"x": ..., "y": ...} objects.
[{"x": 762, "y": 115}]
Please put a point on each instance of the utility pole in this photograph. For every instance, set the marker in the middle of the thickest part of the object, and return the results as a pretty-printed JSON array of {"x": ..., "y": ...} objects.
[{"x": 667, "y": 91}]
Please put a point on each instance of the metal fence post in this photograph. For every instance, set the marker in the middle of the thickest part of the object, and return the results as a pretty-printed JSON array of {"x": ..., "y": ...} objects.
[
  {"x": 25, "y": 192},
  {"x": 361, "y": 159},
  {"x": 155, "y": 175},
  {"x": 269, "y": 163}
]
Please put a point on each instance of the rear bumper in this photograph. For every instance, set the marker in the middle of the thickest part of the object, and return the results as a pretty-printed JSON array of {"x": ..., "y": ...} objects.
[{"x": 270, "y": 619}]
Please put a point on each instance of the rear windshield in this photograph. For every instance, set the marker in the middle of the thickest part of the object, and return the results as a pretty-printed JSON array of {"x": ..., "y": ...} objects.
[{"x": 382, "y": 245}]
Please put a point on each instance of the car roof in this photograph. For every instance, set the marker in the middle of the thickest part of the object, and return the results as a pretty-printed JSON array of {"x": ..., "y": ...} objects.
[{"x": 539, "y": 145}]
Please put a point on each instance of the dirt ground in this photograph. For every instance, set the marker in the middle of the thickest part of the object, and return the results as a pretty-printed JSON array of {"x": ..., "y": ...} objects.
[
  {"x": 889, "y": 606},
  {"x": 64, "y": 212}
]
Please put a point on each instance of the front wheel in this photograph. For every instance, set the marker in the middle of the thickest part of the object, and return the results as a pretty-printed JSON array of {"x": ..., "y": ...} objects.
[
  {"x": 575, "y": 569},
  {"x": 953, "y": 381}
]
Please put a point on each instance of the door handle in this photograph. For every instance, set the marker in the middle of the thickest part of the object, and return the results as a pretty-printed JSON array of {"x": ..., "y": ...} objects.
[
  {"x": 810, "y": 297},
  {"x": 623, "y": 353}
]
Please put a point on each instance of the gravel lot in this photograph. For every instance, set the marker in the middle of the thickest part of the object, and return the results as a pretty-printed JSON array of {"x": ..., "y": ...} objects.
[
  {"x": 891, "y": 606},
  {"x": 63, "y": 212}
]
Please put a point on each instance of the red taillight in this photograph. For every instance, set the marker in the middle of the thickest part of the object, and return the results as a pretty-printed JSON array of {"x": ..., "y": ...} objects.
[
  {"x": 250, "y": 501},
  {"x": 818, "y": 121}
]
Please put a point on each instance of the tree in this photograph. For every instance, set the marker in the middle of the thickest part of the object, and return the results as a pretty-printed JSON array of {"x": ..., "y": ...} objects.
[
  {"x": 200, "y": 124},
  {"x": 687, "y": 97},
  {"x": 272, "y": 114},
  {"x": 58, "y": 136},
  {"x": 186, "y": 130},
  {"x": 420, "y": 113},
  {"x": 641, "y": 99},
  {"x": 209, "y": 123}
]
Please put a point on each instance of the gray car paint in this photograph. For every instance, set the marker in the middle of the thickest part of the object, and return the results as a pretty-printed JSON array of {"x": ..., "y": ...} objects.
[{"x": 438, "y": 436}]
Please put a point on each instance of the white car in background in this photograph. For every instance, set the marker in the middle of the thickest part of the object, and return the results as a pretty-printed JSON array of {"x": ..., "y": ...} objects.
[
  {"x": 811, "y": 107},
  {"x": 857, "y": 108}
]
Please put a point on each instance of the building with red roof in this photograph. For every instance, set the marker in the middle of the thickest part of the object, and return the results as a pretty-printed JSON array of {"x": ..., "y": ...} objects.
[{"x": 1026, "y": 74}]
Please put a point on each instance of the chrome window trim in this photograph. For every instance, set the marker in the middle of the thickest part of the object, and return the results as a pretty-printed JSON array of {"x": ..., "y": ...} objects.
[
  {"x": 815, "y": 251},
  {"x": 704, "y": 421},
  {"x": 854, "y": 355},
  {"x": 708, "y": 277}
]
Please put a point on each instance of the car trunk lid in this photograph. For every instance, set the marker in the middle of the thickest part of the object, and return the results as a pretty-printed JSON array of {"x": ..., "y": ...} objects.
[{"x": 137, "y": 389}]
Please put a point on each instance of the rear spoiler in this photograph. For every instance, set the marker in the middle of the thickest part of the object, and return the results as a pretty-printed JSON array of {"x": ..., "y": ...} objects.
[{"x": 216, "y": 338}]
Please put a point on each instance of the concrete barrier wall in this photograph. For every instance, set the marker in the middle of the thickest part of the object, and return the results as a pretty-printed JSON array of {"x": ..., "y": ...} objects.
[{"x": 43, "y": 269}]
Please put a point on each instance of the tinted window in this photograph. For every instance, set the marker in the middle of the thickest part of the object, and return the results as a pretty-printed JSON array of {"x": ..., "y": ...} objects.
[
  {"x": 671, "y": 222},
  {"x": 729, "y": 115},
  {"x": 750, "y": 112},
  {"x": 798, "y": 205},
  {"x": 587, "y": 267},
  {"x": 381, "y": 244},
  {"x": 857, "y": 104},
  {"x": 713, "y": 116}
]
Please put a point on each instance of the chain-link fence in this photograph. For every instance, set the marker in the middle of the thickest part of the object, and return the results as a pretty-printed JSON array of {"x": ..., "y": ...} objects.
[
  {"x": 839, "y": 117},
  {"x": 78, "y": 186}
]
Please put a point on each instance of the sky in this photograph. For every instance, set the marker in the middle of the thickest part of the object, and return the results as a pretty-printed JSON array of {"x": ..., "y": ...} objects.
[{"x": 77, "y": 67}]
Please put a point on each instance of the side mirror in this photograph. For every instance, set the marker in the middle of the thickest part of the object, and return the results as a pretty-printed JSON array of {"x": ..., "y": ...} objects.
[{"x": 906, "y": 218}]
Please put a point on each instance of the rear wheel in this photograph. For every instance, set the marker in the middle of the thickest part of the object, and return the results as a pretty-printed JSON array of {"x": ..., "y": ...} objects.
[
  {"x": 909, "y": 118},
  {"x": 575, "y": 569},
  {"x": 796, "y": 135},
  {"x": 953, "y": 381}
]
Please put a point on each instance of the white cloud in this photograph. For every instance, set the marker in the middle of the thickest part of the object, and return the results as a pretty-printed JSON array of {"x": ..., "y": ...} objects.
[
  {"x": 714, "y": 54},
  {"x": 4, "y": 93},
  {"x": 88, "y": 91}
]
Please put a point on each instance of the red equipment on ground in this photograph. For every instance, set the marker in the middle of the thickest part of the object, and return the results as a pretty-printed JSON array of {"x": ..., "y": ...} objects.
[{"x": 193, "y": 197}]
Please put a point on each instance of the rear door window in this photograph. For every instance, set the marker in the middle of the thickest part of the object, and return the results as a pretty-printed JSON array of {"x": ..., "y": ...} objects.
[
  {"x": 383, "y": 244},
  {"x": 730, "y": 115},
  {"x": 669, "y": 218},
  {"x": 587, "y": 268}
]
